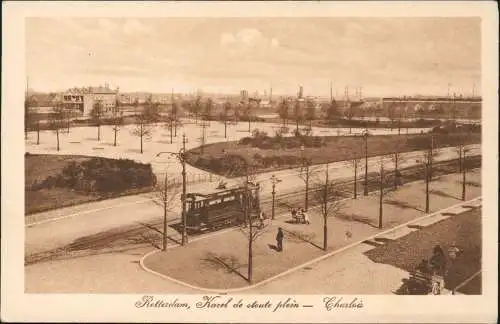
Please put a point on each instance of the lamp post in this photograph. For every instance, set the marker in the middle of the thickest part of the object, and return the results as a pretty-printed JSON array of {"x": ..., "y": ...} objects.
[
  {"x": 274, "y": 181},
  {"x": 365, "y": 135},
  {"x": 181, "y": 156}
]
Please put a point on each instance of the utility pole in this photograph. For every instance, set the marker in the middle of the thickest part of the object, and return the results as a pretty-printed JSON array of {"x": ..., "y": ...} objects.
[
  {"x": 204, "y": 125},
  {"x": 325, "y": 211},
  {"x": 274, "y": 180}
]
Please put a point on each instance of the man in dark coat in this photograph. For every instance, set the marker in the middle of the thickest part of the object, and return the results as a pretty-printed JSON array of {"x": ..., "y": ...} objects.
[{"x": 279, "y": 239}]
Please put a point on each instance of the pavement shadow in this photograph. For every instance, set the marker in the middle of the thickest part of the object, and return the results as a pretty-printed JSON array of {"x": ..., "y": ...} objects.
[
  {"x": 302, "y": 237},
  {"x": 443, "y": 194},
  {"x": 228, "y": 262},
  {"x": 401, "y": 204},
  {"x": 273, "y": 247},
  {"x": 357, "y": 218}
]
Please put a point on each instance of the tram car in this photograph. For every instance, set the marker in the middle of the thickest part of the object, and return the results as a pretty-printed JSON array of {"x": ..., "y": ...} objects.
[{"x": 222, "y": 208}]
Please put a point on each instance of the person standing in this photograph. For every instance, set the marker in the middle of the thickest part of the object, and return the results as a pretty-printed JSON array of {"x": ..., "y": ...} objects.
[{"x": 279, "y": 239}]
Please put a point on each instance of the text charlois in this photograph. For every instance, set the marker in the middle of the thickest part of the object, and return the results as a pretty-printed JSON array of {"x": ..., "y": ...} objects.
[{"x": 332, "y": 303}]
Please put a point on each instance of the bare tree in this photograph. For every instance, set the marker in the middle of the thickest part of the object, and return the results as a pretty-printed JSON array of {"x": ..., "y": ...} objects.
[
  {"x": 329, "y": 203},
  {"x": 427, "y": 160},
  {"x": 209, "y": 105},
  {"x": 117, "y": 121},
  {"x": 31, "y": 120},
  {"x": 170, "y": 124},
  {"x": 142, "y": 128},
  {"x": 310, "y": 111},
  {"x": 397, "y": 157},
  {"x": 151, "y": 111},
  {"x": 298, "y": 114},
  {"x": 283, "y": 111},
  {"x": 248, "y": 114},
  {"x": 304, "y": 174},
  {"x": 253, "y": 227},
  {"x": 225, "y": 115},
  {"x": 96, "y": 115},
  {"x": 27, "y": 115},
  {"x": 175, "y": 115},
  {"x": 355, "y": 162},
  {"x": 56, "y": 120},
  {"x": 165, "y": 195}
]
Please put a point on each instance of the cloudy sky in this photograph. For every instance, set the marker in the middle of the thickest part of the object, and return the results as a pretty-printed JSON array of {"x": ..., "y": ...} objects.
[{"x": 384, "y": 56}]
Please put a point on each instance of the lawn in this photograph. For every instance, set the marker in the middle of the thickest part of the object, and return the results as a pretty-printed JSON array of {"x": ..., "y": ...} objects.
[
  {"x": 38, "y": 168},
  {"x": 463, "y": 230},
  {"x": 216, "y": 157}
]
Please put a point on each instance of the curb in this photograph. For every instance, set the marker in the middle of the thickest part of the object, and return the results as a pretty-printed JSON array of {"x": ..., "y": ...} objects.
[{"x": 300, "y": 266}]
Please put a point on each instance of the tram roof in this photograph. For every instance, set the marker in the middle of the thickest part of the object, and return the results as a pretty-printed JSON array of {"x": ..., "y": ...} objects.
[{"x": 209, "y": 191}]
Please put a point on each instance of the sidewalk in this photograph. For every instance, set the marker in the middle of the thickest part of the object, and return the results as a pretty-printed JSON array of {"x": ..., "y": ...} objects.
[{"x": 198, "y": 263}]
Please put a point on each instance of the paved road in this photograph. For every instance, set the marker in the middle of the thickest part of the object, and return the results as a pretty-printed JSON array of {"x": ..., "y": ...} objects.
[{"x": 84, "y": 220}]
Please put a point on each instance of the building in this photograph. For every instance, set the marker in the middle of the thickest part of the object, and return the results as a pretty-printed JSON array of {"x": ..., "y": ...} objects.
[{"x": 82, "y": 100}]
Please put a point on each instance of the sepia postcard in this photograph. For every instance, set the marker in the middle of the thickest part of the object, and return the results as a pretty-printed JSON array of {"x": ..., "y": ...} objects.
[{"x": 254, "y": 162}]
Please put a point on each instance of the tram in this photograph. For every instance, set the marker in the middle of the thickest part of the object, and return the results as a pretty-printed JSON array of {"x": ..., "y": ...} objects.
[{"x": 222, "y": 208}]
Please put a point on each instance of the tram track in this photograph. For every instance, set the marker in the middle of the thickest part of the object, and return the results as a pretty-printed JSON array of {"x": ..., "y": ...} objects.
[{"x": 147, "y": 233}]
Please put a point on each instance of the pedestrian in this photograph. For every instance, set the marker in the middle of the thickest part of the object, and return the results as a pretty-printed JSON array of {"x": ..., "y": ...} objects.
[
  {"x": 438, "y": 261},
  {"x": 279, "y": 239},
  {"x": 262, "y": 216},
  {"x": 306, "y": 218}
]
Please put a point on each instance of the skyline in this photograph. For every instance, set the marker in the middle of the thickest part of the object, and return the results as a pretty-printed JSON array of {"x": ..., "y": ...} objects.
[{"x": 385, "y": 56}]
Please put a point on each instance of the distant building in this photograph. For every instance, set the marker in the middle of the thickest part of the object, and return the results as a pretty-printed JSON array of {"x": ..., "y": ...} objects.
[
  {"x": 83, "y": 99},
  {"x": 243, "y": 95}
]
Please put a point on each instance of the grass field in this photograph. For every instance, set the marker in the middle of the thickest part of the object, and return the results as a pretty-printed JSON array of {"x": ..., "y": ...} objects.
[
  {"x": 335, "y": 149},
  {"x": 463, "y": 230},
  {"x": 40, "y": 167}
]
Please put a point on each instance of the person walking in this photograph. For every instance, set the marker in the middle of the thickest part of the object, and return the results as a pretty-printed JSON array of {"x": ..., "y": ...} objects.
[{"x": 279, "y": 239}]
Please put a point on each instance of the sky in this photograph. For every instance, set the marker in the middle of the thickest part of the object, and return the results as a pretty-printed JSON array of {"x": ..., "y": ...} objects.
[{"x": 384, "y": 56}]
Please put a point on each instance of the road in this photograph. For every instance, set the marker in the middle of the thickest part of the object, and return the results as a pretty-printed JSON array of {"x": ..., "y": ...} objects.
[{"x": 99, "y": 217}]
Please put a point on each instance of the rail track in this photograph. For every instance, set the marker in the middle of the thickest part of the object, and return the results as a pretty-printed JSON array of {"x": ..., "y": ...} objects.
[{"x": 148, "y": 233}]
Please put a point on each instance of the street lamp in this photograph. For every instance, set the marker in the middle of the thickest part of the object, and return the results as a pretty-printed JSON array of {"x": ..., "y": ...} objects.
[
  {"x": 274, "y": 181},
  {"x": 181, "y": 156},
  {"x": 365, "y": 135}
]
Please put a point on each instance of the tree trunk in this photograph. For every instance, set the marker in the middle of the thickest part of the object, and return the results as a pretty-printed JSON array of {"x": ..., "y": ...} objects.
[
  {"x": 396, "y": 155},
  {"x": 57, "y": 135},
  {"x": 307, "y": 188},
  {"x": 165, "y": 202},
  {"x": 325, "y": 234},
  {"x": 171, "y": 139},
  {"x": 37, "y": 132},
  {"x": 142, "y": 134},
  {"x": 355, "y": 179},
  {"x": 250, "y": 254},
  {"x": 249, "y": 127},
  {"x": 116, "y": 131},
  {"x": 427, "y": 189},
  {"x": 463, "y": 178},
  {"x": 225, "y": 128},
  {"x": 99, "y": 132}
]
